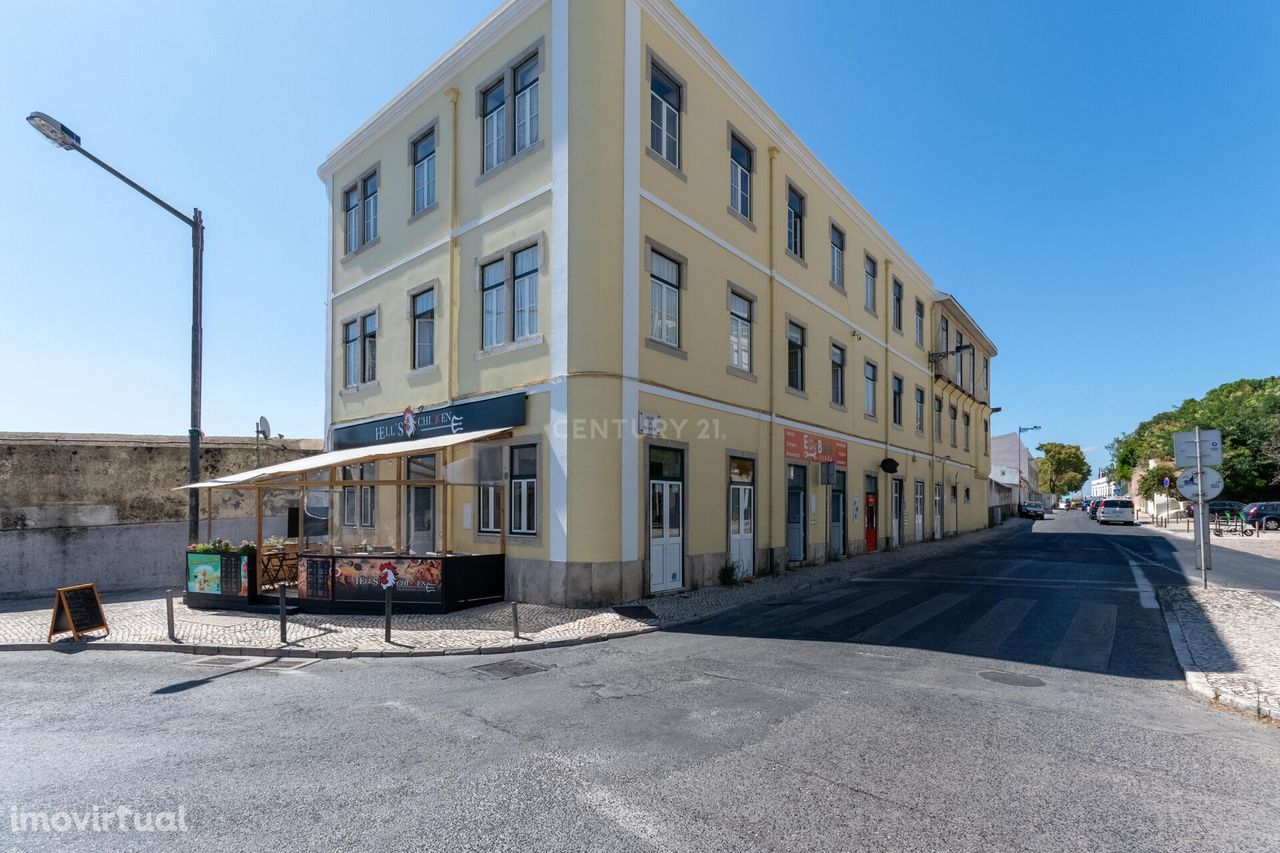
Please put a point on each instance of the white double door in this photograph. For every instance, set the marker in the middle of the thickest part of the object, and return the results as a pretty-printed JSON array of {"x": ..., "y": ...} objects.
[
  {"x": 666, "y": 535},
  {"x": 919, "y": 507},
  {"x": 937, "y": 510},
  {"x": 895, "y": 505},
  {"x": 742, "y": 527}
]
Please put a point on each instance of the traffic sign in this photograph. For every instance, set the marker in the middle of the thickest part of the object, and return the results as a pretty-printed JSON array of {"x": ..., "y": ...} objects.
[
  {"x": 1208, "y": 485},
  {"x": 1184, "y": 448}
]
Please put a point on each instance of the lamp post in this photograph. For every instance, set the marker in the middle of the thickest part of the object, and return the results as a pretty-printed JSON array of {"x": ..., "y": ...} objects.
[
  {"x": 1022, "y": 430},
  {"x": 63, "y": 137}
]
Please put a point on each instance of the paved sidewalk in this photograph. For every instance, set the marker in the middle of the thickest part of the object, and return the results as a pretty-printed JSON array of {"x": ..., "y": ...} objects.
[
  {"x": 1228, "y": 643},
  {"x": 1267, "y": 544},
  {"x": 140, "y": 624}
]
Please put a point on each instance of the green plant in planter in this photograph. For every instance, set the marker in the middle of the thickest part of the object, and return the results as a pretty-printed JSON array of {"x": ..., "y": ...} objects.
[
  {"x": 213, "y": 546},
  {"x": 729, "y": 573}
]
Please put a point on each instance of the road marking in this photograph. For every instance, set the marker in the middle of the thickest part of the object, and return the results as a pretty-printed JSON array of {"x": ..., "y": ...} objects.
[
  {"x": 1146, "y": 592},
  {"x": 1087, "y": 642},
  {"x": 839, "y": 614},
  {"x": 895, "y": 626},
  {"x": 985, "y": 636}
]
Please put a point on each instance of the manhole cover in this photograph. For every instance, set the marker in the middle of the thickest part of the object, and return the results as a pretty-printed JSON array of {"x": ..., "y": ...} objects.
[
  {"x": 285, "y": 663},
  {"x": 1012, "y": 679},
  {"x": 509, "y": 668},
  {"x": 218, "y": 660},
  {"x": 635, "y": 611}
]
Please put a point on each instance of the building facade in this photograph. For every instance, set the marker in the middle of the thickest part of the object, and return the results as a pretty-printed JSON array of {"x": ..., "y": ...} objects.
[{"x": 582, "y": 223}]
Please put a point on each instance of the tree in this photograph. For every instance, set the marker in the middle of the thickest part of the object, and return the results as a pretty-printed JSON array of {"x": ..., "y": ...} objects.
[
  {"x": 1152, "y": 480},
  {"x": 1063, "y": 468}
]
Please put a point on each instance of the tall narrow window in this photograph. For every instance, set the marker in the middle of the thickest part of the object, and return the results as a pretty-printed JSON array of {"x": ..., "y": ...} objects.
[
  {"x": 986, "y": 437},
  {"x": 526, "y": 85},
  {"x": 424, "y": 172},
  {"x": 664, "y": 299},
  {"x": 369, "y": 333},
  {"x": 952, "y": 412},
  {"x": 795, "y": 222},
  {"x": 837, "y": 374},
  {"x": 370, "y": 209},
  {"x": 739, "y": 332},
  {"x": 664, "y": 116},
  {"x": 351, "y": 353},
  {"x": 895, "y": 385},
  {"x": 489, "y": 473},
  {"x": 526, "y": 293},
  {"x": 945, "y": 328},
  {"x": 493, "y": 284},
  {"x": 524, "y": 489},
  {"x": 837, "y": 257},
  {"x": 495, "y": 125},
  {"x": 960, "y": 356},
  {"x": 937, "y": 418},
  {"x": 919, "y": 410},
  {"x": 870, "y": 270},
  {"x": 795, "y": 356},
  {"x": 368, "y": 495},
  {"x": 739, "y": 177},
  {"x": 919, "y": 323},
  {"x": 869, "y": 389},
  {"x": 896, "y": 312},
  {"x": 424, "y": 328},
  {"x": 351, "y": 218},
  {"x": 966, "y": 430},
  {"x": 986, "y": 373},
  {"x": 359, "y": 507}
]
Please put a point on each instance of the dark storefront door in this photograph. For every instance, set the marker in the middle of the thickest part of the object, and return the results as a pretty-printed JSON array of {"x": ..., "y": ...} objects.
[
  {"x": 872, "y": 514},
  {"x": 796, "y": 476}
]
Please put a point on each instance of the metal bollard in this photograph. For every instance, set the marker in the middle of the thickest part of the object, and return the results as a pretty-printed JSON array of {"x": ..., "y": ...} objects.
[
  {"x": 168, "y": 612},
  {"x": 284, "y": 619},
  {"x": 515, "y": 621},
  {"x": 386, "y": 632}
]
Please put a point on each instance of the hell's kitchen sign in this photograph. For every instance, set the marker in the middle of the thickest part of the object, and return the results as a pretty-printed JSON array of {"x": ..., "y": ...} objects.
[
  {"x": 494, "y": 413},
  {"x": 806, "y": 447}
]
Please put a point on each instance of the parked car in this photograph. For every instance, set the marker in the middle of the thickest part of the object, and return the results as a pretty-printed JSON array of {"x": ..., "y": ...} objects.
[
  {"x": 1116, "y": 511},
  {"x": 1266, "y": 513},
  {"x": 1093, "y": 507},
  {"x": 1216, "y": 508},
  {"x": 1031, "y": 509}
]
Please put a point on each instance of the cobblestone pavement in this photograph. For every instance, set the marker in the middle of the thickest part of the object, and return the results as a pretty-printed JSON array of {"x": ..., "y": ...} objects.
[
  {"x": 1265, "y": 545},
  {"x": 1232, "y": 636},
  {"x": 140, "y": 622}
]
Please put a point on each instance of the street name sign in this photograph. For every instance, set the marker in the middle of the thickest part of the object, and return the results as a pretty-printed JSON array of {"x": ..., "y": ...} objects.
[
  {"x": 1184, "y": 448},
  {"x": 1208, "y": 485}
]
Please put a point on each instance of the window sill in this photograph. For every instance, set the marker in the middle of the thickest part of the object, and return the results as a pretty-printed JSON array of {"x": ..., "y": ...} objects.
[
  {"x": 869, "y": 417},
  {"x": 838, "y": 288},
  {"x": 359, "y": 390},
  {"x": 487, "y": 537},
  {"x": 660, "y": 346},
  {"x": 424, "y": 375},
  {"x": 350, "y": 256},
  {"x": 839, "y": 407},
  {"x": 871, "y": 311},
  {"x": 799, "y": 260},
  {"x": 510, "y": 161},
  {"x": 673, "y": 169},
  {"x": 512, "y": 346},
  {"x": 736, "y": 214},
  {"x": 898, "y": 427},
  {"x": 421, "y": 213},
  {"x": 528, "y": 540},
  {"x": 797, "y": 392},
  {"x": 740, "y": 373}
]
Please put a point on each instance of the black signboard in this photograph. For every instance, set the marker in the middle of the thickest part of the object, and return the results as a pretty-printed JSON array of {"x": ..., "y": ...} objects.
[
  {"x": 78, "y": 610},
  {"x": 494, "y": 413}
]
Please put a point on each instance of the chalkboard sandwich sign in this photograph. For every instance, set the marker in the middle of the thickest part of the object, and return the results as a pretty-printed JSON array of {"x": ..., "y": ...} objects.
[{"x": 77, "y": 609}]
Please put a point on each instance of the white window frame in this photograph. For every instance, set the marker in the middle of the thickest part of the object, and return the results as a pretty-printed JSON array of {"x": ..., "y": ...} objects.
[
  {"x": 524, "y": 293},
  {"x": 424, "y": 171},
  {"x": 664, "y": 116},
  {"x": 871, "y": 273},
  {"x": 526, "y": 105},
  {"x": 837, "y": 255},
  {"x": 523, "y": 492},
  {"x": 920, "y": 398},
  {"x": 919, "y": 323},
  {"x": 870, "y": 387},
  {"x": 493, "y": 304},
  {"x": 740, "y": 331},
  {"x": 798, "y": 340},
  {"x": 489, "y": 510},
  {"x": 897, "y": 389},
  {"x": 664, "y": 301},
  {"x": 420, "y": 319},
  {"x": 795, "y": 221},
  {"x": 895, "y": 309},
  {"x": 838, "y": 358},
  {"x": 740, "y": 177}
]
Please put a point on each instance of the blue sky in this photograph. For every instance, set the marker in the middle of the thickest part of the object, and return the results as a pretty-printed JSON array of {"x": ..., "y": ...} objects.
[{"x": 1098, "y": 183}]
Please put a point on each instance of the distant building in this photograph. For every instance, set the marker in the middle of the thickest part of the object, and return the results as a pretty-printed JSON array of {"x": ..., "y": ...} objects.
[{"x": 1013, "y": 465}]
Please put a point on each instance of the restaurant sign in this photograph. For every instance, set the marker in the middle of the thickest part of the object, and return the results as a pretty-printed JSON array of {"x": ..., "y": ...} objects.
[
  {"x": 494, "y": 413},
  {"x": 806, "y": 447}
]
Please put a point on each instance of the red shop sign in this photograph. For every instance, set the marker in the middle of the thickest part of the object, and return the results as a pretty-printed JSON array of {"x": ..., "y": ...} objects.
[{"x": 807, "y": 447}]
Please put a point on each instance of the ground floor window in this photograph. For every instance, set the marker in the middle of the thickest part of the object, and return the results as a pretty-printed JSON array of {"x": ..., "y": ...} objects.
[
  {"x": 524, "y": 489},
  {"x": 488, "y": 501},
  {"x": 359, "y": 502}
]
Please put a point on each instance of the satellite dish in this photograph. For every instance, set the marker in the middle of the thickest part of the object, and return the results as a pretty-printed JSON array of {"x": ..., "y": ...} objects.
[{"x": 264, "y": 427}]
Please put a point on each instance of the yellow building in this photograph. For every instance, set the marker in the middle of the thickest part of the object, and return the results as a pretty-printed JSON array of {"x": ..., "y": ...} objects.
[{"x": 582, "y": 223}]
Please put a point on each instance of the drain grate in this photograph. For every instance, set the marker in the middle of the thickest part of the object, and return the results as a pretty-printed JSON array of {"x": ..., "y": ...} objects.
[
  {"x": 1012, "y": 679},
  {"x": 218, "y": 660},
  {"x": 509, "y": 668},
  {"x": 635, "y": 611}
]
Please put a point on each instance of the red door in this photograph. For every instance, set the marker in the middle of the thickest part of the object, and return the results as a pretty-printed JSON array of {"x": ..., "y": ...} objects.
[{"x": 872, "y": 523}]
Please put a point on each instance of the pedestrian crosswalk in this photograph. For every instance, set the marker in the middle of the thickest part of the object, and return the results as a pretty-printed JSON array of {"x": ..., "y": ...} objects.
[{"x": 1052, "y": 625}]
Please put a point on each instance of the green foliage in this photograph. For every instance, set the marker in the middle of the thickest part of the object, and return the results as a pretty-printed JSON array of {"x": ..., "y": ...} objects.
[
  {"x": 1151, "y": 482},
  {"x": 1248, "y": 413},
  {"x": 213, "y": 546},
  {"x": 1063, "y": 468},
  {"x": 729, "y": 573}
]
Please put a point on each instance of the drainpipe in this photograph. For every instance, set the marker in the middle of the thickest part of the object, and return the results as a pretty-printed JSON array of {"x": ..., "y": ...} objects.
[
  {"x": 773, "y": 307},
  {"x": 454, "y": 288},
  {"x": 930, "y": 343},
  {"x": 888, "y": 391}
]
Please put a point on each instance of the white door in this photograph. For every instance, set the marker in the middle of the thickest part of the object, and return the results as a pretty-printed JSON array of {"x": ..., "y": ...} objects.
[
  {"x": 919, "y": 511},
  {"x": 666, "y": 540},
  {"x": 896, "y": 505},
  {"x": 742, "y": 528},
  {"x": 937, "y": 510}
]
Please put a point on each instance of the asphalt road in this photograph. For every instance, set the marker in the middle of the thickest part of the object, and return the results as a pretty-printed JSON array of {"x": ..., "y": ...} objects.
[{"x": 851, "y": 717}]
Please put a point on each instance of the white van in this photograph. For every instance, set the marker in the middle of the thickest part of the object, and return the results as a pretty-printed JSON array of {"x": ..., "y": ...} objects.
[{"x": 1116, "y": 511}]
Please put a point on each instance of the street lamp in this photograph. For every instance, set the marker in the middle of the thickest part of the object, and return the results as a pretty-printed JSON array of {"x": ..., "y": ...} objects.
[
  {"x": 64, "y": 137},
  {"x": 1022, "y": 430}
]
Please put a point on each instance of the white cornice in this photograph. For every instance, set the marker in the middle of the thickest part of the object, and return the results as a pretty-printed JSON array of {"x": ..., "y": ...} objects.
[
  {"x": 435, "y": 79},
  {"x": 673, "y": 21}
]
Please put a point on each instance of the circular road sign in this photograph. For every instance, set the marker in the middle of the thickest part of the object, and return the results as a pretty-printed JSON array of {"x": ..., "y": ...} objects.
[{"x": 1209, "y": 486}]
